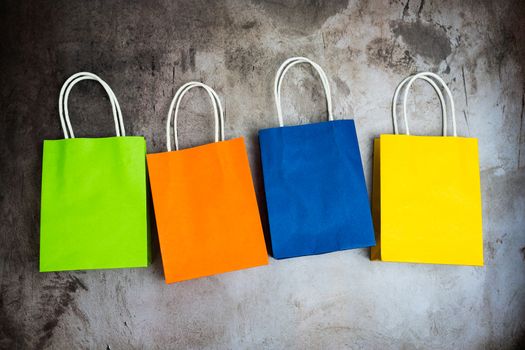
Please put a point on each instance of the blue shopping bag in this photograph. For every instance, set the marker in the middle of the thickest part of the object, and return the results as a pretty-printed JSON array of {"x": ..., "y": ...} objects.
[{"x": 315, "y": 187}]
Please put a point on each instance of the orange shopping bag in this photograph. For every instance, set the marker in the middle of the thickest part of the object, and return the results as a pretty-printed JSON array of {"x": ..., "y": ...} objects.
[{"x": 205, "y": 206}]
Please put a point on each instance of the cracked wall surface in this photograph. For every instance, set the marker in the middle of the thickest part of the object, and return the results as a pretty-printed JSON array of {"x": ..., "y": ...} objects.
[{"x": 146, "y": 49}]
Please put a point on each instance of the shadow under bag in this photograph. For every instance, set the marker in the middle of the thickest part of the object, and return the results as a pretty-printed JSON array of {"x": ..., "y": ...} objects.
[
  {"x": 426, "y": 192},
  {"x": 94, "y": 211},
  {"x": 314, "y": 183}
]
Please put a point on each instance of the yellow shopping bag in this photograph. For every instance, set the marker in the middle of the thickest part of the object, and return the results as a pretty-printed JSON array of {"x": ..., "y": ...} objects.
[{"x": 426, "y": 193}]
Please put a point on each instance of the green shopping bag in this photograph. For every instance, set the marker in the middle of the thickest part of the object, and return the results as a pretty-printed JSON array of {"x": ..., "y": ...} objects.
[{"x": 94, "y": 200}]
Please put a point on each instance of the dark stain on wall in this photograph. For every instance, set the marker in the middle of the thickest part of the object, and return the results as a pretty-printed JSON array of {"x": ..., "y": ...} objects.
[
  {"x": 243, "y": 60},
  {"x": 249, "y": 25},
  {"x": 387, "y": 53},
  {"x": 11, "y": 333},
  {"x": 424, "y": 39},
  {"x": 56, "y": 299},
  {"x": 302, "y": 16},
  {"x": 187, "y": 60}
]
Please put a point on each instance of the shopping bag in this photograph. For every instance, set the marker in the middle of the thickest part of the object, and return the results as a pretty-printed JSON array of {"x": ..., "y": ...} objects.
[
  {"x": 426, "y": 192},
  {"x": 315, "y": 188},
  {"x": 204, "y": 201},
  {"x": 94, "y": 205}
]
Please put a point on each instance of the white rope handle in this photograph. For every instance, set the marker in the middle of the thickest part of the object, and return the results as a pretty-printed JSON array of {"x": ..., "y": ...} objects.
[
  {"x": 64, "y": 96},
  {"x": 218, "y": 112},
  {"x": 438, "y": 91},
  {"x": 447, "y": 90},
  {"x": 289, "y": 63}
]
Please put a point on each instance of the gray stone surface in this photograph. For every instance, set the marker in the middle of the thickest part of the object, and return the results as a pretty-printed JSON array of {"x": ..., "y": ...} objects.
[{"x": 146, "y": 49}]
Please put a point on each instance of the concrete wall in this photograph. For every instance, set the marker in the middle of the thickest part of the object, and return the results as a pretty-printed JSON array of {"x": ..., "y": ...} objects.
[{"x": 146, "y": 49}]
